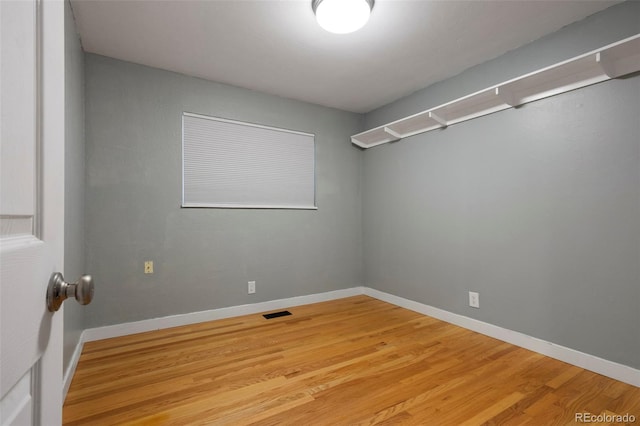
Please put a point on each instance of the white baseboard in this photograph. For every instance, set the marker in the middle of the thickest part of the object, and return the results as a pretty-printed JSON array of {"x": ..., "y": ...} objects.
[
  {"x": 214, "y": 314},
  {"x": 598, "y": 365},
  {"x": 73, "y": 364},
  {"x": 593, "y": 363}
]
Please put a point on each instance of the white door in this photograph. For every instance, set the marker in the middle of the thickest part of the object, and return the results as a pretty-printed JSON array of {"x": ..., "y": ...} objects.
[{"x": 31, "y": 209}]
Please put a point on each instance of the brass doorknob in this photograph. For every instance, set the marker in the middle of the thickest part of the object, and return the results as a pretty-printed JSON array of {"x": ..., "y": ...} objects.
[{"x": 59, "y": 290}]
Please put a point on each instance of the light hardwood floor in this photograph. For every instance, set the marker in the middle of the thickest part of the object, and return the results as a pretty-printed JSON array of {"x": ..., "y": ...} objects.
[{"x": 351, "y": 361}]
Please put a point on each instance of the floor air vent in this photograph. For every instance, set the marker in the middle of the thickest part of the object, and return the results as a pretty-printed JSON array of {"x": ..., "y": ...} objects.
[{"x": 277, "y": 314}]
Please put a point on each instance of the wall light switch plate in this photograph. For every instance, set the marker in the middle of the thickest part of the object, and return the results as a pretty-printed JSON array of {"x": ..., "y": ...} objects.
[
  {"x": 474, "y": 299},
  {"x": 148, "y": 267},
  {"x": 251, "y": 287}
]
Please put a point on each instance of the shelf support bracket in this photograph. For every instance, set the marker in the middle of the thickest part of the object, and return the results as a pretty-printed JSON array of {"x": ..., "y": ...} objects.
[
  {"x": 392, "y": 133},
  {"x": 357, "y": 142},
  {"x": 507, "y": 97},
  {"x": 606, "y": 64},
  {"x": 438, "y": 119}
]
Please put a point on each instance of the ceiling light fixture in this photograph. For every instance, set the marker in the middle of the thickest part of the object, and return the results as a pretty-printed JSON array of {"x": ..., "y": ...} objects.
[{"x": 342, "y": 16}]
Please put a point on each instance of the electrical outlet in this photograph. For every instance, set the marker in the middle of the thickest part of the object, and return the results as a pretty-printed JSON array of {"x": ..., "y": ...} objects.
[
  {"x": 251, "y": 287},
  {"x": 148, "y": 267},
  {"x": 474, "y": 299}
]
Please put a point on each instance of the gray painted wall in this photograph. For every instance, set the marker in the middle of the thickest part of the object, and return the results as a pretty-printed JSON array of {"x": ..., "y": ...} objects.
[
  {"x": 536, "y": 208},
  {"x": 74, "y": 180},
  {"x": 204, "y": 257}
]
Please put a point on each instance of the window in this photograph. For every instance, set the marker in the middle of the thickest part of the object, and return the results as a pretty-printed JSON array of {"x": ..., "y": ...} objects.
[{"x": 231, "y": 164}]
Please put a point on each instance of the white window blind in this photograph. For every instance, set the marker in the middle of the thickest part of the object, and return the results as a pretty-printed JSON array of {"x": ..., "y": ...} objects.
[{"x": 232, "y": 164}]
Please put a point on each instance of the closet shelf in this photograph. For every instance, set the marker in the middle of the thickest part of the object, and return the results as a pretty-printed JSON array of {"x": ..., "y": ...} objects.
[{"x": 612, "y": 61}]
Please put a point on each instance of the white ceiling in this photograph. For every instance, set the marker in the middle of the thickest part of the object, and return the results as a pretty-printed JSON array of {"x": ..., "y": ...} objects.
[{"x": 275, "y": 46}]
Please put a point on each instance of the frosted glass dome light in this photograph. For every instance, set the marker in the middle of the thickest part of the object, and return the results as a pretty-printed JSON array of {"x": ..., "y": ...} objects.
[{"x": 342, "y": 16}]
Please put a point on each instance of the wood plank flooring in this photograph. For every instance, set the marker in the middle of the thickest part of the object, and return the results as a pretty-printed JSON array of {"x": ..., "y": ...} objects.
[{"x": 354, "y": 361}]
